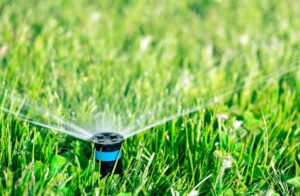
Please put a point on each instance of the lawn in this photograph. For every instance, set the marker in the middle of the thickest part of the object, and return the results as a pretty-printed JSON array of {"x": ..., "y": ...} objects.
[{"x": 211, "y": 87}]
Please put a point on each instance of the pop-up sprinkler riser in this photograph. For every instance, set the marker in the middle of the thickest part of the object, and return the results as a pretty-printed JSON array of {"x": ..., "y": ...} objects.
[{"x": 108, "y": 152}]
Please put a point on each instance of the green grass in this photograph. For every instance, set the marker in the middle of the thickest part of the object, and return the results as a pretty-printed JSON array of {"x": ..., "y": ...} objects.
[{"x": 82, "y": 56}]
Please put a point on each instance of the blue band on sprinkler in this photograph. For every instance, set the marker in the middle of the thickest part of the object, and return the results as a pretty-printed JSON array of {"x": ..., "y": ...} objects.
[{"x": 108, "y": 156}]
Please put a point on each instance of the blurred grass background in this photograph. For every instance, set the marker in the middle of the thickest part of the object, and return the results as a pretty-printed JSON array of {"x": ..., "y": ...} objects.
[{"x": 82, "y": 55}]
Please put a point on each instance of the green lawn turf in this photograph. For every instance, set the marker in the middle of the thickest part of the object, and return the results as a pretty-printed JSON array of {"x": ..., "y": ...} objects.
[{"x": 82, "y": 56}]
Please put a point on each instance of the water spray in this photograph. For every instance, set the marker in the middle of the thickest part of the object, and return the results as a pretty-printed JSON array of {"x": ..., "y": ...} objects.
[
  {"x": 108, "y": 144},
  {"x": 108, "y": 152}
]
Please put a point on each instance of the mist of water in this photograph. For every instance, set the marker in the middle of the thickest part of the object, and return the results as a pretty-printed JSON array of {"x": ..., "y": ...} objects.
[
  {"x": 39, "y": 116},
  {"x": 24, "y": 109},
  {"x": 214, "y": 100}
]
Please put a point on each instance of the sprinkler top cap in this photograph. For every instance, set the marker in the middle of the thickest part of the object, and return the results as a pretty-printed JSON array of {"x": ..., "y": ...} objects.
[{"x": 108, "y": 141}]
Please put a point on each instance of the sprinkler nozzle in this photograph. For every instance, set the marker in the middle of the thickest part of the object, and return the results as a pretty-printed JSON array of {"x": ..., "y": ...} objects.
[{"x": 108, "y": 152}]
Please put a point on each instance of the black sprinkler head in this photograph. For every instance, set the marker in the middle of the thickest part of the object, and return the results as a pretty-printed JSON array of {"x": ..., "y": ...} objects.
[{"x": 108, "y": 152}]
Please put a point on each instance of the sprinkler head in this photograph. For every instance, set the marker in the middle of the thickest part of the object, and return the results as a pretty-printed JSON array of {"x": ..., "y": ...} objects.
[{"x": 108, "y": 152}]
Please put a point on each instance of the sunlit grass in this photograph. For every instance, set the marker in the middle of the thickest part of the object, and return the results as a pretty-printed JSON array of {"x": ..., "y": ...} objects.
[{"x": 75, "y": 56}]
